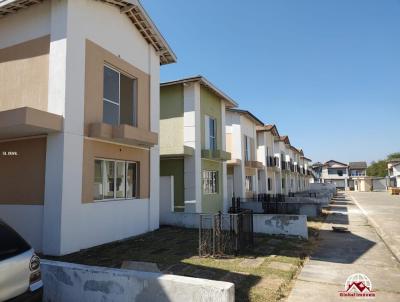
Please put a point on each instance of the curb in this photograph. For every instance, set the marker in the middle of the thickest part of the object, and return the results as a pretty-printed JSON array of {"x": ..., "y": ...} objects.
[{"x": 381, "y": 233}]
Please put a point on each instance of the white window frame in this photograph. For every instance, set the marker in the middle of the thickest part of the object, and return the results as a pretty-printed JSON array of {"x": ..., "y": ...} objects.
[
  {"x": 103, "y": 160},
  {"x": 210, "y": 182},
  {"x": 119, "y": 94}
]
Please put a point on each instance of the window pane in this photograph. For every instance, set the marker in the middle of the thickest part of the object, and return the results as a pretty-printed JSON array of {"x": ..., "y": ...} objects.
[
  {"x": 110, "y": 113},
  {"x": 128, "y": 101},
  {"x": 98, "y": 180},
  {"x": 130, "y": 180},
  {"x": 111, "y": 85},
  {"x": 109, "y": 180},
  {"x": 120, "y": 180}
]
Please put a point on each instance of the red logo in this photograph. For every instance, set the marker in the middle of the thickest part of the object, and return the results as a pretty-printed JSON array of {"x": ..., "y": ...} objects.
[{"x": 359, "y": 286}]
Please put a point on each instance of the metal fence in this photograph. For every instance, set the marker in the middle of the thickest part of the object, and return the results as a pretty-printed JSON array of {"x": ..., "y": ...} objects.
[{"x": 225, "y": 234}]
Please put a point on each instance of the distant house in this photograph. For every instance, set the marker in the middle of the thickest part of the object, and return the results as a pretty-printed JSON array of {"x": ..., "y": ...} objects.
[
  {"x": 336, "y": 173},
  {"x": 394, "y": 172},
  {"x": 317, "y": 171},
  {"x": 357, "y": 175}
]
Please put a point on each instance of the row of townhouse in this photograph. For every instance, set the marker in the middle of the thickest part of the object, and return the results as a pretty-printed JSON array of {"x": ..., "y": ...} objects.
[
  {"x": 81, "y": 133},
  {"x": 213, "y": 151}
]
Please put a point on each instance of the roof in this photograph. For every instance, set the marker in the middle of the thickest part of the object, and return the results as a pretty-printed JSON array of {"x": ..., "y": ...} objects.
[
  {"x": 306, "y": 158},
  {"x": 206, "y": 83},
  {"x": 393, "y": 160},
  {"x": 358, "y": 165},
  {"x": 284, "y": 139},
  {"x": 334, "y": 161},
  {"x": 248, "y": 114},
  {"x": 132, "y": 8},
  {"x": 269, "y": 128},
  {"x": 317, "y": 164}
]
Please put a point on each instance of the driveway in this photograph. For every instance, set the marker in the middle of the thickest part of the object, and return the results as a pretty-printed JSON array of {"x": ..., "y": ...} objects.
[
  {"x": 340, "y": 255},
  {"x": 383, "y": 211}
]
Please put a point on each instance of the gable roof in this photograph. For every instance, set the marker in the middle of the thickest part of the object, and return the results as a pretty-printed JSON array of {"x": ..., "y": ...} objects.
[
  {"x": 284, "y": 139},
  {"x": 269, "y": 128},
  {"x": 334, "y": 161},
  {"x": 131, "y": 8},
  {"x": 206, "y": 83},
  {"x": 248, "y": 114},
  {"x": 358, "y": 165}
]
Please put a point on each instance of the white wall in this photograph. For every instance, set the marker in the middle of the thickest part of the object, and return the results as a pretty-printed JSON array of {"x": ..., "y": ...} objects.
[{"x": 27, "y": 220}]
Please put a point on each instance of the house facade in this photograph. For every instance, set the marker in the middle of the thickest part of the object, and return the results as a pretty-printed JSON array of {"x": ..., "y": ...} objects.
[
  {"x": 357, "y": 176},
  {"x": 336, "y": 173},
  {"x": 79, "y": 121},
  {"x": 241, "y": 142},
  {"x": 192, "y": 144},
  {"x": 394, "y": 172}
]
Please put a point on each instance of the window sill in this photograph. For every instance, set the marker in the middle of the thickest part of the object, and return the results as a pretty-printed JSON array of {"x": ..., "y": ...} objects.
[
  {"x": 125, "y": 134},
  {"x": 116, "y": 199}
]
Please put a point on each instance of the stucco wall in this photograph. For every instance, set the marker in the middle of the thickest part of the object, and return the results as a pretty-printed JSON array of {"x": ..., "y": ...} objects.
[
  {"x": 212, "y": 203},
  {"x": 210, "y": 105},
  {"x": 175, "y": 168}
]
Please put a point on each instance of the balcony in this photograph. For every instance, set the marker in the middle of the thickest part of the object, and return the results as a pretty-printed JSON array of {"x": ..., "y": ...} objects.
[
  {"x": 215, "y": 154},
  {"x": 254, "y": 164},
  {"x": 27, "y": 121},
  {"x": 125, "y": 134},
  {"x": 178, "y": 151}
]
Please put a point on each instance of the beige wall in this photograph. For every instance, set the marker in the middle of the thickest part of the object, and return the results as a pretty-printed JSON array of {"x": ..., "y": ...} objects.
[
  {"x": 96, "y": 57},
  {"x": 22, "y": 176},
  {"x": 24, "y": 73},
  {"x": 96, "y": 149}
]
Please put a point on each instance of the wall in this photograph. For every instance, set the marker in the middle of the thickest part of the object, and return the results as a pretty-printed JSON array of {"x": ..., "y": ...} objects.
[
  {"x": 175, "y": 168},
  {"x": 212, "y": 203},
  {"x": 210, "y": 105},
  {"x": 293, "y": 225},
  {"x": 65, "y": 282},
  {"x": 171, "y": 118},
  {"x": 22, "y": 176}
]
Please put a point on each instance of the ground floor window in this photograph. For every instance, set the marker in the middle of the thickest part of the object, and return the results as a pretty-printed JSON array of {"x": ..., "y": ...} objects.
[
  {"x": 283, "y": 182},
  {"x": 269, "y": 184},
  {"x": 210, "y": 182},
  {"x": 114, "y": 179},
  {"x": 249, "y": 183}
]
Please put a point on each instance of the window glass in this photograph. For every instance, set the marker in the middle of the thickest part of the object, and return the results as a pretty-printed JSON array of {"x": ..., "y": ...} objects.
[
  {"x": 98, "y": 180},
  {"x": 110, "y": 113},
  {"x": 12, "y": 244},
  {"x": 269, "y": 184},
  {"x": 128, "y": 104},
  {"x": 111, "y": 85},
  {"x": 210, "y": 182},
  {"x": 120, "y": 180},
  {"x": 249, "y": 183},
  {"x": 109, "y": 180},
  {"x": 130, "y": 180},
  {"x": 212, "y": 134}
]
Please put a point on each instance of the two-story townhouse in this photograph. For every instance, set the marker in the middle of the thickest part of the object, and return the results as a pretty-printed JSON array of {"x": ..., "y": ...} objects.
[
  {"x": 241, "y": 140},
  {"x": 317, "y": 171},
  {"x": 266, "y": 155},
  {"x": 192, "y": 143},
  {"x": 308, "y": 176},
  {"x": 79, "y": 121},
  {"x": 281, "y": 147},
  {"x": 336, "y": 173},
  {"x": 356, "y": 170},
  {"x": 393, "y": 167}
]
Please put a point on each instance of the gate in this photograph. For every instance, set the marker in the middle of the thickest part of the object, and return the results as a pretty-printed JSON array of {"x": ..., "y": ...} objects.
[{"x": 225, "y": 234}]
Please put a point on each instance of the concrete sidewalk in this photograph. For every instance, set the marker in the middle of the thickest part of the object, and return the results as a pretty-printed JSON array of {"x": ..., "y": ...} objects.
[
  {"x": 342, "y": 254},
  {"x": 383, "y": 212}
]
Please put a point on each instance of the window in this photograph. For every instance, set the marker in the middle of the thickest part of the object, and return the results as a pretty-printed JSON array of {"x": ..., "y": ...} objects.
[
  {"x": 269, "y": 184},
  {"x": 119, "y": 98},
  {"x": 114, "y": 179},
  {"x": 247, "y": 147},
  {"x": 249, "y": 183},
  {"x": 283, "y": 183},
  {"x": 212, "y": 129},
  {"x": 210, "y": 182},
  {"x": 340, "y": 172}
]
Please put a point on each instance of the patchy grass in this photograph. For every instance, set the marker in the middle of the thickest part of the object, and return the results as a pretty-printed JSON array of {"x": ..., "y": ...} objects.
[{"x": 264, "y": 274}]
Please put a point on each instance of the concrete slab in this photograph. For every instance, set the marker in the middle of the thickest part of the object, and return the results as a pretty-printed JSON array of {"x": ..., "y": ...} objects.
[{"x": 282, "y": 266}]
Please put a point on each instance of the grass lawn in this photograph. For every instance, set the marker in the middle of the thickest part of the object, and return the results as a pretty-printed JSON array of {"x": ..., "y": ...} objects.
[{"x": 262, "y": 275}]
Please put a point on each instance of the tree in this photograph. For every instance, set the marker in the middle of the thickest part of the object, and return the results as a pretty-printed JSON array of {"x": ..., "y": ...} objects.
[{"x": 379, "y": 168}]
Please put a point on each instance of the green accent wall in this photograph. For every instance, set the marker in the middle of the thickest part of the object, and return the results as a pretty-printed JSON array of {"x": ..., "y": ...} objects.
[
  {"x": 171, "y": 119},
  {"x": 212, "y": 203},
  {"x": 175, "y": 167},
  {"x": 210, "y": 105}
]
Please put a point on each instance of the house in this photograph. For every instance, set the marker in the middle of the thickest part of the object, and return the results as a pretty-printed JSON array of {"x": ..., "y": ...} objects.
[
  {"x": 394, "y": 172},
  {"x": 306, "y": 172},
  {"x": 192, "y": 144},
  {"x": 282, "y": 177},
  {"x": 266, "y": 155},
  {"x": 79, "y": 121},
  {"x": 336, "y": 173},
  {"x": 317, "y": 172},
  {"x": 241, "y": 141},
  {"x": 357, "y": 176}
]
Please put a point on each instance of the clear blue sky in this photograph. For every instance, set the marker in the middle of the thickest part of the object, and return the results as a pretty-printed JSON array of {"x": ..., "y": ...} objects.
[{"x": 327, "y": 72}]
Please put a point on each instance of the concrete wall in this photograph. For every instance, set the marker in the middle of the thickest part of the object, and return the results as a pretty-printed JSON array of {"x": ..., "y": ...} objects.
[
  {"x": 293, "y": 225},
  {"x": 66, "y": 282},
  {"x": 272, "y": 224}
]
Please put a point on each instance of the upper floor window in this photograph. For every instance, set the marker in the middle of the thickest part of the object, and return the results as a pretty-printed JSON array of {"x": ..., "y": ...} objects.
[
  {"x": 119, "y": 98},
  {"x": 212, "y": 132}
]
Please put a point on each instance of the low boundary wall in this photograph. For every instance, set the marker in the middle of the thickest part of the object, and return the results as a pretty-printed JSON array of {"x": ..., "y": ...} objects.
[{"x": 66, "y": 282}]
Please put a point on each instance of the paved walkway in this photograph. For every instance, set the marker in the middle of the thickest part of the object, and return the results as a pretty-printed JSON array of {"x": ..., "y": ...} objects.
[
  {"x": 342, "y": 254},
  {"x": 383, "y": 211}
]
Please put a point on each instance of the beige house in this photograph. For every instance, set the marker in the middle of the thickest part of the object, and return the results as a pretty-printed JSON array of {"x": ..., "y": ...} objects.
[{"x": 79, "y": 121}]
